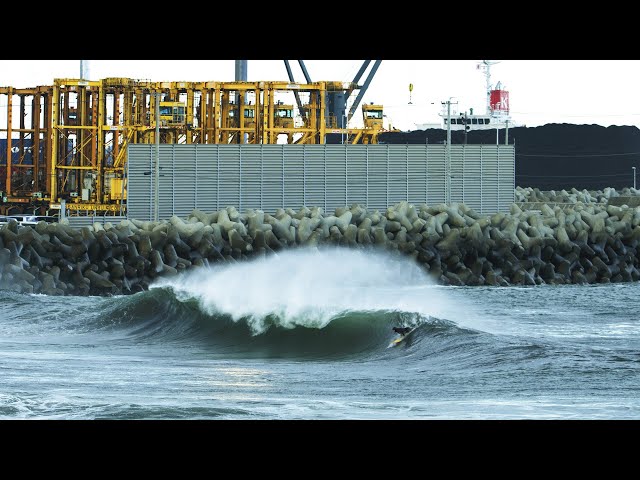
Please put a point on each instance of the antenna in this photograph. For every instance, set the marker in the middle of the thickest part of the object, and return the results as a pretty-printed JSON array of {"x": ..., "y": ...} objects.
[{"x": 486, "y": 66}]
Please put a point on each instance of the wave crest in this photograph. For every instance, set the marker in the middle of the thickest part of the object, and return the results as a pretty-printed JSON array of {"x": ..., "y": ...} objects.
[{"x": 303, "y": 287}]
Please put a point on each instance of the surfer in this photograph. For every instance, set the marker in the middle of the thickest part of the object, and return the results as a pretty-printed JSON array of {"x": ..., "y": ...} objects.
[{"x": 402, "y": 330}]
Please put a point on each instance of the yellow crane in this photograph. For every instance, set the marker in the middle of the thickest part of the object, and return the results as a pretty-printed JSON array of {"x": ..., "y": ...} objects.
[{"x": 68, "y": 141}]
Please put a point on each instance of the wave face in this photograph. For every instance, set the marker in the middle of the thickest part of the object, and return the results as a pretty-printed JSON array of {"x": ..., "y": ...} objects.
[{"x": 301, "y": 302}]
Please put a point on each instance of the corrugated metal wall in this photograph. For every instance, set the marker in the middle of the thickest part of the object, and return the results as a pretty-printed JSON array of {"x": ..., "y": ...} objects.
[
  {"x": 89, "y": 220},
  {"x": 268, "y": 177}
]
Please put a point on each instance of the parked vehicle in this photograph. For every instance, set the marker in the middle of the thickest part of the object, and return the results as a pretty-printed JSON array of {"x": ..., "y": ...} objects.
[{"x": 25, "y": 219}]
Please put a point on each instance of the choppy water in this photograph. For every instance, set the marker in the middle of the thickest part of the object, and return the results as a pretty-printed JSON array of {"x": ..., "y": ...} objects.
[{"x": 305, "y": 335}]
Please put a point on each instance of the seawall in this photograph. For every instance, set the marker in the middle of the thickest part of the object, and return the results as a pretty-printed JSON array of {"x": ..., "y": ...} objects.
[{"x": 575, "y": 237}]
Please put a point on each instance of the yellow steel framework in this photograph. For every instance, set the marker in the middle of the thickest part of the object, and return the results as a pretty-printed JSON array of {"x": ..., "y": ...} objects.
[
  {"x": 69, "y": 140},
  {"x": 24, "y": 168}
]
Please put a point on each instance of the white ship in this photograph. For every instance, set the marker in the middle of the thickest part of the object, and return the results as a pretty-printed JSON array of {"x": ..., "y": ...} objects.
[{"x": 496, "y": 116}]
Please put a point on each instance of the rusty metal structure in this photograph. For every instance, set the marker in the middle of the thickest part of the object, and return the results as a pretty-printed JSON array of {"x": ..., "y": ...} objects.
[{"x": 68, "y": 141}]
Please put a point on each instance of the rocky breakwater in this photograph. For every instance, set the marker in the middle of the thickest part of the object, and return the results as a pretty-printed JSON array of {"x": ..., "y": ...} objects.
[
  {"x": 582, "y": 243},
  {"x": 628, "y": 196}
]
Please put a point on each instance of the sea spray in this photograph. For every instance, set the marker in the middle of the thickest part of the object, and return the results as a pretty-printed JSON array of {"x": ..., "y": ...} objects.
[{"x": 309, "y": 287}]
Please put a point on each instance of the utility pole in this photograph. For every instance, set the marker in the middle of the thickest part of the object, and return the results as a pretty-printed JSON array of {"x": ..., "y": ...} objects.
[
  {"x": 634, "y": 177},
  {"x": 344, "y": 124},
  {"x": 447, "y": 170}
]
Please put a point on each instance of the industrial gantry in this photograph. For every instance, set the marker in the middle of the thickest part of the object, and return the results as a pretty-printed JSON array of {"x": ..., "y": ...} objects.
[{"x": 69, "y": 140}]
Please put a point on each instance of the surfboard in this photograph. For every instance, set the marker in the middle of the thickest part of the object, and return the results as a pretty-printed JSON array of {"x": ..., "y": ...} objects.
[{"x": 398, "y": 341}]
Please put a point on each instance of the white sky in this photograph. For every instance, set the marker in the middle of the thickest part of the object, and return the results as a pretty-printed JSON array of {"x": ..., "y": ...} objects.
[{"x": 603, "y": 92}]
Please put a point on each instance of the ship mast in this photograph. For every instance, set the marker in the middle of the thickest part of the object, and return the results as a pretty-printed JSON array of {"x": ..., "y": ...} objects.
[{"x": 486, "y": 66}]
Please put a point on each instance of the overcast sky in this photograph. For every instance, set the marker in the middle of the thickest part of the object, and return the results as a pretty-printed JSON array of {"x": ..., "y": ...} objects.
[{"x": 603, "y": 92}]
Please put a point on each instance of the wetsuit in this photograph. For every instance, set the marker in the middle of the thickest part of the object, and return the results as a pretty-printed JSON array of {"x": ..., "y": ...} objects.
[{"x": 402, "y": 330}]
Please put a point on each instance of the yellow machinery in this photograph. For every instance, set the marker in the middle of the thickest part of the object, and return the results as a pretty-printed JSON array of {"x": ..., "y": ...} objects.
[
  {"x": 69, "y": 140},
  {"x": 283, "y": 118},
  {"x": 372, "y": 116},
  {"x": 172, "y": 114}
]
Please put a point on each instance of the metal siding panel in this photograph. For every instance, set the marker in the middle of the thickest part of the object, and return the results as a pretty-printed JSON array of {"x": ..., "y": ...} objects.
[
  {"x": 211, "y": 177},
  {"x": 417, "y": 174},
  {"x": 397, "y": 174},
  {"x": 183, "y": 181},
  {"x": 336, "y": 176},
  {"x": 456, "y": 170},
  {"x": 206, "y": 177},
  {"x": 468, "y": 177},
  {"x": 88, "y": 221},
  {"x": 140, "y": 192},
  {"x": 166, "y": 182},
  {"x": 293, "y": 176},
  {"x": 378, "y": 176},
  {"x": 436, "y": 162},
  {"x": 490, "y": 179},
  {"x": 315, "y": 176},
  {"x": 229, "y": 176},
  {"x": 251, "y": 176},
  {"x": 272, "y": 180},
  {"x": 507, "y": 177},
  {"x": 357, "y": 175}
]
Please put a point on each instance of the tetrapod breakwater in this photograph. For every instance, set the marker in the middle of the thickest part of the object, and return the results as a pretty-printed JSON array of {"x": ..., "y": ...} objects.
[{"x": 576, "y": 237}]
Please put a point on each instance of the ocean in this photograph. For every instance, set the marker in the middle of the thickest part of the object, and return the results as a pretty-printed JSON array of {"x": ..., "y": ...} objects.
[{"x": 305, "y": 334}]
